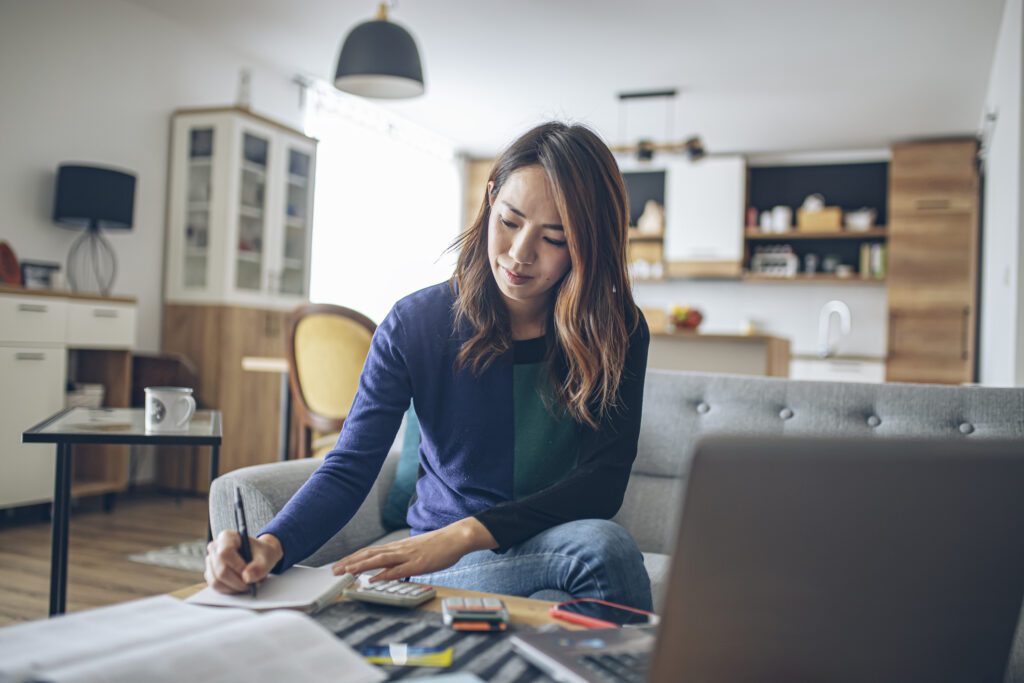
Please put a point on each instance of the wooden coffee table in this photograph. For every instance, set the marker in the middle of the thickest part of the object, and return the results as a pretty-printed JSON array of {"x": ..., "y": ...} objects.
[{"x": 520, "y": 610}]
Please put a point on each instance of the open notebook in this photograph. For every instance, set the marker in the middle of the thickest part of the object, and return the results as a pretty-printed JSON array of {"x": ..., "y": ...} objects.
[
  {"x": 164, "y": 640},
  {"x": 307, "y": 589}
]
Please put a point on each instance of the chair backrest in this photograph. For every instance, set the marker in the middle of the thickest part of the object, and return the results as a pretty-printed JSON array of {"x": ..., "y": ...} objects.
[{"x": 327, "y": 346}]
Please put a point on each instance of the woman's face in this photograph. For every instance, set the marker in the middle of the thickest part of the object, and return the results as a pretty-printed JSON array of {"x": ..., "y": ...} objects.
[{"x": 525, "y": 241}]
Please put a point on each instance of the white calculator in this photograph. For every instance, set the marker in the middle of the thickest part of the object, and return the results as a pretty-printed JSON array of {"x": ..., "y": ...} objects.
[{"x": 393, "y": 593}]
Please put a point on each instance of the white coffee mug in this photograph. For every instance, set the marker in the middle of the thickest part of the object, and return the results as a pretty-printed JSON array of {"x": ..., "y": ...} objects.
[{"x": 169, "y": 409}]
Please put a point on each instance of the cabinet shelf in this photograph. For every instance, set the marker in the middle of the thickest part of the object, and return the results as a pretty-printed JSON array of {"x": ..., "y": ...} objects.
[
  {"x": 294, "y": 264},
  {"x": 200, "y": 161},
  {"x": 296, "y": 223},
  {"x": 873, "y": 234},
  {"x": 254, "y": 168},
  {"x": 249, "y": 256},
  {"x": 250, "y": 211},
  {"x": 297, "y": 180},
  {"x": 812, "y": 278}
]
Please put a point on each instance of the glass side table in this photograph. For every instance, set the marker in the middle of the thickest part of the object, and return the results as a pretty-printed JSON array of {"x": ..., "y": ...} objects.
[{"x": 105, "y": 426}]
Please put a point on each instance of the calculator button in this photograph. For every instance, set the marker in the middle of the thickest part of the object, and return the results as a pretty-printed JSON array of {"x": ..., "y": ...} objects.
[
  {"x": 393, "y": 589},
  {"x": 454, "y": 602},
  {"x": 404, "y": 590},
  {"x": 417, "y": 591},
  {"x": 492, "y": 602},
  {"x": 473, "y": 602}
]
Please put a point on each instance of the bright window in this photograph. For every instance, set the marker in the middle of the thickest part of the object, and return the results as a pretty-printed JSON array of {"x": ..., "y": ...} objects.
[{"x": 388, "y": 203}]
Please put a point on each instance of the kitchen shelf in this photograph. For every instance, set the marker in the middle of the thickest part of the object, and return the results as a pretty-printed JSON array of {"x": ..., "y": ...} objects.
[
  {"x": 647, "y": 238},
  {"x": 254, "y": 168},
  {"x": 813, "y": 278},
  {"x": 875, "y": 233}
]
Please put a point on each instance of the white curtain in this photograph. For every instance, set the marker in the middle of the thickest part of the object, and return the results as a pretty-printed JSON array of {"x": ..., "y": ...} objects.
[{"x": 388, "y": 202}]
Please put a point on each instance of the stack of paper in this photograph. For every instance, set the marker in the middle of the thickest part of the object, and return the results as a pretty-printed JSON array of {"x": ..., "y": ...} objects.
[{"x": 163, "y": 639}]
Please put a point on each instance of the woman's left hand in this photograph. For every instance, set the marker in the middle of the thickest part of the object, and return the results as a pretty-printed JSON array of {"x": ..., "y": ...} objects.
[{"x": 422, "y": 554}]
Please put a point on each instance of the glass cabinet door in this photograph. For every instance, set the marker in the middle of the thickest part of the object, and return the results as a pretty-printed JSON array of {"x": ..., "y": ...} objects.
[
  {"x": 249, "y": 251},
  {"x": 296, "y": 223},
  {"x": 197, "y": 211}
]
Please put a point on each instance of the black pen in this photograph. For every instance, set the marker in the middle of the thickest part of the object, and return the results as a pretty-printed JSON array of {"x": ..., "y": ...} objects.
[{"x": 243, "y": 530}]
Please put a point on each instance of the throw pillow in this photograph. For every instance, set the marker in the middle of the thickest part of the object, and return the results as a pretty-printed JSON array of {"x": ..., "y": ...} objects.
[{"x": 397, "y": 502}]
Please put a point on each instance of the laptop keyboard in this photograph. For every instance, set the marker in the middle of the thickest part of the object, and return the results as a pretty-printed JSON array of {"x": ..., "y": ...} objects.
[{"x": 621, "y": 668}]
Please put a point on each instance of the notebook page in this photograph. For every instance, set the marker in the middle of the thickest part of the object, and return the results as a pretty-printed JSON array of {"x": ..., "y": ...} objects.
[
  {"x": 49, "y": 643},
  {"x": 270, "y": 648},
  {"x": 298, "y": 588}
]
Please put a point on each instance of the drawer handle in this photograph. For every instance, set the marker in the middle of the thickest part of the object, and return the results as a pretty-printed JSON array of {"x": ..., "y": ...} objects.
[
  {"x": 105, "y": 313},
  {"x": 23, "y": 355},
  {"x": 32, "y": 308},
  {"x": 933, "y": 203}
]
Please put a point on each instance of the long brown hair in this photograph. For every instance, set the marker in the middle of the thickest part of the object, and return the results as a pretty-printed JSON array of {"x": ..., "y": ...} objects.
[{"x": 592, "y": 313}]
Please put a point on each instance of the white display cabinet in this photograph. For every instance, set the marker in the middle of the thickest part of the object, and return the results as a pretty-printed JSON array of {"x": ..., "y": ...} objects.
[{"x": 240, "y": 209}]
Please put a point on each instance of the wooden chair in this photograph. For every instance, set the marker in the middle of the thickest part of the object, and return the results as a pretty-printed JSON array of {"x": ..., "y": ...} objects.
[{"x": 327, "y": 346}]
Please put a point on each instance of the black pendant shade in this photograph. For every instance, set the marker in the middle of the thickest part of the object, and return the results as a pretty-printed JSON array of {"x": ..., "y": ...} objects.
[{"x": 379, "y": 59}]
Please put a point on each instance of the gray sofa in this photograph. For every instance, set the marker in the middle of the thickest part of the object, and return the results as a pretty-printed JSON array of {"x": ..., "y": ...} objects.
[{"x": 679, "y": 409}]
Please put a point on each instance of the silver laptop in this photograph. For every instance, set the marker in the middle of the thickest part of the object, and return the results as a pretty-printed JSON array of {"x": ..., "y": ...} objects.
[{"x": 828, "y": 560}]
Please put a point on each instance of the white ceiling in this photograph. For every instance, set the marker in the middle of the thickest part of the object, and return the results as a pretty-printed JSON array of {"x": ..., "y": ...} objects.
[{"x": 753, "y": 75}]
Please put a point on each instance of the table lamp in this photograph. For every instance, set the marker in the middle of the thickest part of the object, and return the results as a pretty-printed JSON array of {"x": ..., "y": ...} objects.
[{"x": 92, "y": 198}]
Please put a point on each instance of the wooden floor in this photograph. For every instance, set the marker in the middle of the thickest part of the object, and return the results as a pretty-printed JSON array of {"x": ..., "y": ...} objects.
[{"x": 99, "y": 571}]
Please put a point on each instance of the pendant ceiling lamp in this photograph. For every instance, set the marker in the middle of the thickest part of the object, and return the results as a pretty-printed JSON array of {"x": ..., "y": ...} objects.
[{"x": 379, "y": 59}]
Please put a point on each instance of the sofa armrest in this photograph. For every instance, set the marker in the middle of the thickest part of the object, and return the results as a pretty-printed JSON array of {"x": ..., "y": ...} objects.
[{"x": 267, "y": 488}]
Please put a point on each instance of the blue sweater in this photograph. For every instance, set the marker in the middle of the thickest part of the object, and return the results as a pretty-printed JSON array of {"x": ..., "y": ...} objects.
[{"x": 467, "y": 448}]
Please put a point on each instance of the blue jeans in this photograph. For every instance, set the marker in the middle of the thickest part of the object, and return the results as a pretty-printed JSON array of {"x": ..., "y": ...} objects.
[{"x": 589, "y": 558}]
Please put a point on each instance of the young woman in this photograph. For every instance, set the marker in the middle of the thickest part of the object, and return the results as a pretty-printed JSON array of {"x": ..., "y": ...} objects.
[{"x": 526, "y": 371}]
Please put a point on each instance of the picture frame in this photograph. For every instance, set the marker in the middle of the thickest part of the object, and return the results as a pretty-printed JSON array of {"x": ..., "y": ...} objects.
[{"x": 39, "y": 274}]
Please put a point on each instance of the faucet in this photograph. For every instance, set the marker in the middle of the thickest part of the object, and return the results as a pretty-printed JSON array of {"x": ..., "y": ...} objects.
[{"x": 826, "y": 347}]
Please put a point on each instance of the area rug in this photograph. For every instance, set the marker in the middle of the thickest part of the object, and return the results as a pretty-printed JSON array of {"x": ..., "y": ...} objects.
[{"x": 189, "y": 556}]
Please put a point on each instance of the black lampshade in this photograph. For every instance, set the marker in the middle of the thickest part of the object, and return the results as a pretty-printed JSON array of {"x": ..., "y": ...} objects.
[
  {"x": 93, "y": 197},
  {"x": 379, "y": 59}
]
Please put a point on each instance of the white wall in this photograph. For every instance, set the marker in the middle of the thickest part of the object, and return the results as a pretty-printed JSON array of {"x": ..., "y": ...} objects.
[
  {"x": 1002, "y": 287},
  {"x": 96, "y": 81},
  {"x": 784, "y": 309}
]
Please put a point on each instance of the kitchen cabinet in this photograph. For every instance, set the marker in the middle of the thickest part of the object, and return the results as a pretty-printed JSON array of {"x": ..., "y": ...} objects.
[
  {"x": 838, "y": 369},
  {"x": 704, "y": 210},
  {"x": 47, "y": 339},
  {"x": 933, "y": 262},
  {"x": 737, "y": 354}
]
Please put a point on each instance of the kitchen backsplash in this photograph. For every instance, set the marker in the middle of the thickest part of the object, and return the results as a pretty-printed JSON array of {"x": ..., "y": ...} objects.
[{"x": 785, "y": 310}]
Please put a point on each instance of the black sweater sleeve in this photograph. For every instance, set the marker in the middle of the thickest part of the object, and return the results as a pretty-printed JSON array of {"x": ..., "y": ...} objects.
[{"x": 594, "y": 490}]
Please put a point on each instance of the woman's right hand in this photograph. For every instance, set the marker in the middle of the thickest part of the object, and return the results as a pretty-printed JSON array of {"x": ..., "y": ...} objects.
[{"x": 227, "y": 572}]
